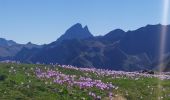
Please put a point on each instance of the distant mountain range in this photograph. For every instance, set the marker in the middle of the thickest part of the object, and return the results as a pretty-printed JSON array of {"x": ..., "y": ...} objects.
[
  {"x": 117, "y": 50},
  {"x": 9, "y": 48}
]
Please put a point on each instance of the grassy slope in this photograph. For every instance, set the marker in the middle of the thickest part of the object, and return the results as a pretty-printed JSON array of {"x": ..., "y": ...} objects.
[{"x": 20, "y": 85}]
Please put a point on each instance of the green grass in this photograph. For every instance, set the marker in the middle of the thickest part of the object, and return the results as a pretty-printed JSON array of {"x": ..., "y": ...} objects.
[{"x": 21, "y": 86}]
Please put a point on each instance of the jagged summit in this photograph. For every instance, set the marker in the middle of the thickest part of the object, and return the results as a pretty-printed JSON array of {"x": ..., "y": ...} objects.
[{"x": 76, "y": 32}]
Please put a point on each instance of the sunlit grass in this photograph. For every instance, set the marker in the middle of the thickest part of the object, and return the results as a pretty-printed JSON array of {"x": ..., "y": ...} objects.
[{"x": 23, "y": 84}]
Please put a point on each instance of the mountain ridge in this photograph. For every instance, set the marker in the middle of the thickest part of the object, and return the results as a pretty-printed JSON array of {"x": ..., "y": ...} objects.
[
  {"x": 76, "y": 32},
  {"x": 117, "y": 50}
]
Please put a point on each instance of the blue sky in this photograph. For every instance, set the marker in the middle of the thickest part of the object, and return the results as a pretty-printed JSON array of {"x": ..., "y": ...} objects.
[{"x": 43, "y": 21}]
